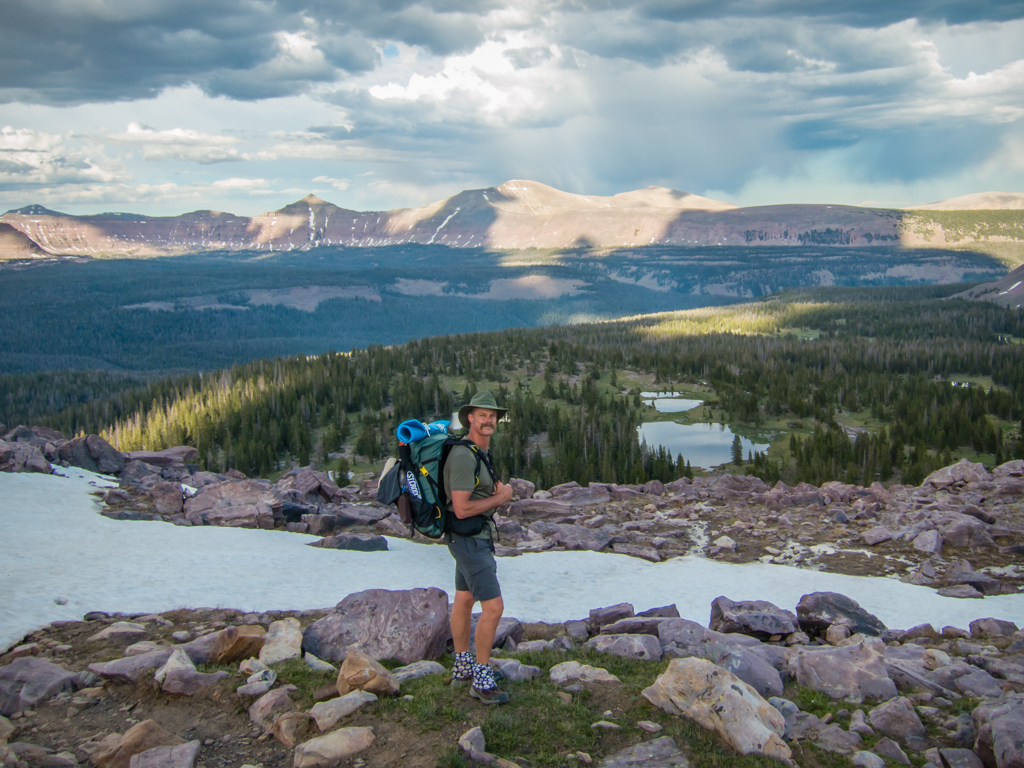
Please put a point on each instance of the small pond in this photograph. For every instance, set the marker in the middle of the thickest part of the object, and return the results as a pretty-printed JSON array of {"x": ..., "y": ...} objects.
[
  {"x": 669, "y": 402},
  {"x": 703, "y": 445}
]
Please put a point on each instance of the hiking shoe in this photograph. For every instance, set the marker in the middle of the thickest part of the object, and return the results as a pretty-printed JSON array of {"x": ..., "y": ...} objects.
[{"x": 489, "y": 696}]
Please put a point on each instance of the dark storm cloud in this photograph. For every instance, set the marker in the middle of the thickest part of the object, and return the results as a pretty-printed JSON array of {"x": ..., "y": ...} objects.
[{"x": 76, "y": 52}]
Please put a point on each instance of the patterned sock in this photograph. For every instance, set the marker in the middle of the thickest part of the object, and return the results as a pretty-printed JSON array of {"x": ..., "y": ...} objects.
[
  {"x": 483, "y": 678},
  {"x": 464, "y": 665}
]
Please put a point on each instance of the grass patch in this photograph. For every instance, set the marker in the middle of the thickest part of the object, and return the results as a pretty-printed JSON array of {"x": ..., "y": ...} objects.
[{"x": 305, "y": 678}]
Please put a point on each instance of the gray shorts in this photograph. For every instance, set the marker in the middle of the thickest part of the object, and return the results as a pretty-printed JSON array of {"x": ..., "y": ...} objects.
[{"x": 476, "y": 571}]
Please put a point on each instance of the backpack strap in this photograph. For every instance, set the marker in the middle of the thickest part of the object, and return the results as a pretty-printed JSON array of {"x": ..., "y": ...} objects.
[{"x": 482, "y": 457}]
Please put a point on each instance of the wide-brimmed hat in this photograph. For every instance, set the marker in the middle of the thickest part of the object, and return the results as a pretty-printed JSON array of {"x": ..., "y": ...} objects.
[{"x": 480, "y": 400}]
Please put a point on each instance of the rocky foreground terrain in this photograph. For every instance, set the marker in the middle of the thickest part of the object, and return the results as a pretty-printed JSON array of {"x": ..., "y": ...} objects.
[{"x": 961, "y": 531}]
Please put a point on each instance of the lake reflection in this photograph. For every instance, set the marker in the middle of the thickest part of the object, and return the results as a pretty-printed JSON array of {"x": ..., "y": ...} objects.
[
  {"x": 703, "y": 445},
  {"x": 668, "y": 402}
]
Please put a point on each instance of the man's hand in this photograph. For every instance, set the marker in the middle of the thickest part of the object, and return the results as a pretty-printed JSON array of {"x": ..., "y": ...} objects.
[{"x": 502, "y": 493}]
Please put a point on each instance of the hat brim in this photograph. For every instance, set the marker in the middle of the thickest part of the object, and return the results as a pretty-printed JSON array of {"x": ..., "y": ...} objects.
[{"x": 464, "y": 412}]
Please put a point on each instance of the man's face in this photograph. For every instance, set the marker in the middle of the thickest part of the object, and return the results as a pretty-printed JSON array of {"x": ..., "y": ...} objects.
[{"x": 483, "y": 421}]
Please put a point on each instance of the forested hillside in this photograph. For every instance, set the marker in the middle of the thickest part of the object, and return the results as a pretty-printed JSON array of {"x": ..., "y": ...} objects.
[{"x": 852, "y": 384}]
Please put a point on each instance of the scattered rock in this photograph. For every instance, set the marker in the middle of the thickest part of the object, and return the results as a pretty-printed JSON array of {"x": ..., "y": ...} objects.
[
  {"x": 896, "y": 718},
  {"x": 472, "y": 743},
  {"x": 852, "y": 672},
  {"x": 328, "y": 714},
  {"x": 361, "y": 673},
  {"x": 136, "y": 740},
  {"x": 819, "y": 610},
  {"x": 599, "y": 617},
  {"x": 515, "y": 671},
  {"x": 28, "y": 681},
  {"x": 868, "y": 760},
  {"x": 417, "y": 669},
  {"x": 876, "y": 535},
  {"x": 961, "y": 758},
  {"x": 358, "y": 542},
  {"x": 283, "y": 641},
  {"x": 327, "y": 751},
  {"x": 271, "y": 705},
  {"x": 757, "y": 618},
  {"x": 235, "y": 643},
  {"x": 658, "y": 753},
  {"x": 718, "y": 700},
  {"x": 890, "y": 750},
  {"x": 180, "y": 756},
  {"x": 1000, "y": 727},
  {"x": 644, "y": 647},
  {"x": 963, "y": 591},
  {"x": 573, "y": 671},
  {"x": 983, "y": 628},
  {"x": 291, "y": 728}
]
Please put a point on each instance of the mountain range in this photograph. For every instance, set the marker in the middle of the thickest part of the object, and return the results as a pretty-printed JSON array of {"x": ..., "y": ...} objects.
[{"x": 513, "y": 215}]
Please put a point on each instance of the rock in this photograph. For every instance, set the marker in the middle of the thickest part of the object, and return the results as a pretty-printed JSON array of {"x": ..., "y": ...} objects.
[
  {"x": 599, "y": 617},
  {"x": 283, "y": 641},
  {"x": 318, "y": 664},
  {"x": 136, "y": 740},
  {"x": 896, "y": 718},
  {"x": 572, "y": 537},
  {"x": 167, "y": 499},
  {"x": 357, "y": 542},
  {"x": 94, "y": 454},
  {"x": 644, "y": 647},
  {"x": 521, "y": 489},
  {"x": 837, "y": 633},
  {"x": 258, "y": 683},
  {"x": 329, "y": 750},
  {"x": 966, "y": 533},
  {"x": 876, "y": 535},
  {"x": 189, "y": 682},
  {"x": 6, "y": 729},
  {"x": 929, "y": 542},
  {"x": 868, "y": 760},
  {"x": 29, "y": 681},
  {"x": 661, "y": 612},
  {"x": 577, "y": 630},
  {"x": 573, "y": 671},
  {"x": 725, "y": 542},
  {"x": 859, "y": 725},
  {"x": 852, "y": 672},
  {"x": 180, "y": 756},
  {"x": 235, "y": 504},
  {"x": 827, "y": 736},
  {"x": 658, "y": 753},
  {"x": 1000, "y": 727},
  {"x": 407, "y": 625},
  {"x": 291, "y": 728},
  {"x": 718, "y": 700},
  {"x": 328, "y": 714},
  {"x": 270, "y": 705},
  {"x": 890, "y": 750},
  {"x": 984, "y": 628},
  {"x": 235, "y": 643},
  {"x": 963, "y": 471},
  {"x": 418, "y": 669},
  {"x": 635, "y": 625},
  {"x": 757, "y": 618},
  {"x": 819, "y": 610},
  {"x": 744, "y": 656},
  {"x": 633, "y": 550},
  {"x": 361, "y": 673},
  {"x": 514, "y": 671},
  {"x": 545, "y": 508},
  {"x": 962, "y": 591},
  {"x": 960, "y": 758},
  {"x": 21, "y": 457},
  {"x": 119, "y": 630},
  {"x": 934, "y": 658},
  {"x": 472, "y": 742}
]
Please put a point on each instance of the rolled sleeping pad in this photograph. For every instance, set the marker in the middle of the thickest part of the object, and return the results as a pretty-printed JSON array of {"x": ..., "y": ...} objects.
[
  {"x": 437, "y": 427},
  {"x": 410, "y": 431}
]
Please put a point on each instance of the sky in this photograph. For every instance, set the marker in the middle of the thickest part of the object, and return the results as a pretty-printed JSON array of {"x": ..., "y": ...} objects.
[{"x": 166, "y": 106}]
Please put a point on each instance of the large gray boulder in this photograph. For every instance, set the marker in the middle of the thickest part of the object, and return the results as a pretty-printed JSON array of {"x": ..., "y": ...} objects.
[
  {"x": 897, "y": 719},
  {"x": 644, "y": 647},
  {"x": 28, "y": 681},
  {"x": 93, "y": 453},
  {"x": 962, "y": 472},
  {"x": 820, "y": 610},
  {"x": 22, "y": 457},
  {"x": 719, "y": 701},
  {"x": 854, "y": 672},
  {"x": 407, "y": 625},
  {"x": 602, "y": 617},
  {"x": 741, "y": 655},
  {"x": 572, "y": 537},
  {"x": 757, "y": 618},
  {"x": 233, "y": 504},
  {"x": 1000, "y": 727}
]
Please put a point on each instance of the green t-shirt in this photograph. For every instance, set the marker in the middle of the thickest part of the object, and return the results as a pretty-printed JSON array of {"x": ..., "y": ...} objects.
[{"x": 460, "y": 475}]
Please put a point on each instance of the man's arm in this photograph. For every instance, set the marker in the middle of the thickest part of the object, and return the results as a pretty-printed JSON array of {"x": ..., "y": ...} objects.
[{"x": 465, "y": 508}]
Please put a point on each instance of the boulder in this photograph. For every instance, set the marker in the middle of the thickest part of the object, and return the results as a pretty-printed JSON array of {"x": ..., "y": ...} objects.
[
  {"x": 357, "y": 542},
  {"x": 854, "y": 672},
  {"x": 716, "y": 699},
  {"x": 960, "y": 758},
  {"x": 167, "y": 499},
  {"x": 1000, "y": 728},
  {"x": 328, "y": 714},
  {"x": 659, "y": 753},
  {"x": 361, "y": 673},
  {"x": 291, "y": 728},
  {"x": 929, "y": 542},
  {"x": 970, "y": 534},
  {"x": 963, "y": 471},
  {"x": 866, "y": 759},
  {"x": 573, "y": 671},
  {"x": 876, "y": 535},
  {"x": 890, "y": 750},
  {"x": 644, "y": 647},
  {"x": 540, "y": 508},
  {"x": 515, "y": 671},
  {"x": 233, "y": 503},
  {"x": 521, "y": 489},
  {"x": 961, "y": 591},
  {"x": 827, "y": 736},
  {"x": 599, "y": 617},
  {"x": 329, "y": 750},
  {"x": 93, "y": 453},
  {"x": 22, "y": 457},
  {"x": 283, "y": 641},
  {"x": 897, "y": 719},
  {"x": 819, "y": 610},
  {"x": 131, "y": 669},
  {"x": 984, "y": 628},
  {"x": 28, "y": 681},
  {"x": 757, "y": 618},
  {"x": 237, "y": 643},
  {"x": 407, "y": 625},
  {"x": 181, "y": 756},
  {"x": 417, "y": 670},
  {"x": 271, "y": 705},
  {"x": 635, "y": 625},
  {"x": 140, "y": 738},
  {"x": 572, "y": 537}
]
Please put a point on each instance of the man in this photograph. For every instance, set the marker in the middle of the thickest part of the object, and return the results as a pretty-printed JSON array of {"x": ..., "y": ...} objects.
[{"x": 473, "y": 492}]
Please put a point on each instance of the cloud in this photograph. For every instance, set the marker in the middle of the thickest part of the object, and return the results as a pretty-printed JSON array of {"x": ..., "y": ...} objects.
[
  {"x": 341, "y": 184},
  {"x": 180, "y": 144},
  {"x": 236, "y": 183},
  {"x": 29, "y": 158}
]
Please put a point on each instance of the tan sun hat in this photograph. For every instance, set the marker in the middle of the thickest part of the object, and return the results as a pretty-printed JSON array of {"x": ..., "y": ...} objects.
[{"x": 480, "y": 400}]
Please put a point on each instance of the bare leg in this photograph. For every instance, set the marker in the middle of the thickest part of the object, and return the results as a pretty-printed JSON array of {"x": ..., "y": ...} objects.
[
  {"x": 486, "y": 627},
  {"x": 461, "y": 619}
]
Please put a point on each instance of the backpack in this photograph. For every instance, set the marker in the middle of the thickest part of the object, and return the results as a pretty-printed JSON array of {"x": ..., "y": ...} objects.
[{"x": 415, "y": 483}]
